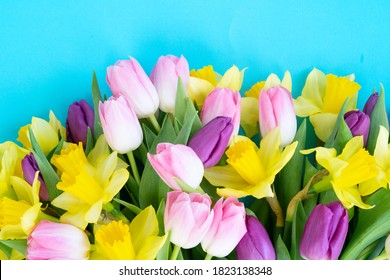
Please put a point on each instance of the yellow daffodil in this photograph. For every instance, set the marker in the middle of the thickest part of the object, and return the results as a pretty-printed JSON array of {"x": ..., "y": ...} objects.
[
  {"x": 137, "y": 241},
  {"x": 250, "y": 170},
  {"x": 322, "y": 98},
  {"x": 382, "y": 157},
  {"x": 87, "y": 185},
  {"x": 204, "y": 80},
  {"x": 19, "y": 216},
  {"x": 347, "y": 170},
  {"x": 45, "y": 132}
]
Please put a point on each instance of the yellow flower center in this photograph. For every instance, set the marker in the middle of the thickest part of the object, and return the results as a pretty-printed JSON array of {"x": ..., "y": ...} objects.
[{"x": 11, "y": 211}]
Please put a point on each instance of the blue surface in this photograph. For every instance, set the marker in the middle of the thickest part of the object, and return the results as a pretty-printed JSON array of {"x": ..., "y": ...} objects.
[{"x": 48, "y": 52}]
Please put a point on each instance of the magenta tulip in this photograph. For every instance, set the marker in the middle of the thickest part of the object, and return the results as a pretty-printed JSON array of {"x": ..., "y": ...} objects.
[
  {"x": 227, "y": 228},
  {"x": 325, "y": 232},
  {"x": 120, "y": 124},
  {"x": 56, "y": 241},
  {"x": 127, "y": 78},
  {"x": 187, "y": 217},
  {"x": 177, "y": 161},
  {"x": 80, "y": 118},
  {"x": 359, "y": 123},
  {"x": 30, "y": 167},
  {"x": 165, "y": 76},
  {"x": 276, "y": 109},
  {"x": 370, "y": 103}
]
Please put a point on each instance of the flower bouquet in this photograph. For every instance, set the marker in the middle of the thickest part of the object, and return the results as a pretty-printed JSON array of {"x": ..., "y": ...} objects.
[{"x": 179, "y": 165}]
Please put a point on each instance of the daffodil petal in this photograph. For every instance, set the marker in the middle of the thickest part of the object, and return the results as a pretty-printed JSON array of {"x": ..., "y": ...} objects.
[
  {"x": 250, "y": 115},
  {"x": 29, "y": 218},
  {"x": 323, "y": 124},
  {"x": 199, "y": 89},
  {"x": 224, "y": 176},
  {"x": 117, "y": 181},
  {"x": 232, "y": 78}
]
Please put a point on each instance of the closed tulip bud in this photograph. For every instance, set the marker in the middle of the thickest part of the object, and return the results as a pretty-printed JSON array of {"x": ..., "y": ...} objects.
[
  {"x": 222, "y": 102},
  {"x": 165, "y": 76},
  {"x": 370, "y": 103},
  {"x": 359, "y": 123},
  {"x": 177, "y": 161},
  {"x": 227, "y": 228},
  {"x": 210, "y": 142},
  {"x": 120, "y": 124},
  {"x": 325, "y": 232},
  {"x": 55, "y": 241},
  {"x": 80, "y": 117},
  {"x": 30, "y": 167},
  {"x": 256, "y": 244},
  {"x": 187, "y": 217},
  {"x": 276, "y": 109},
  {"x": 127, "y": 78}
]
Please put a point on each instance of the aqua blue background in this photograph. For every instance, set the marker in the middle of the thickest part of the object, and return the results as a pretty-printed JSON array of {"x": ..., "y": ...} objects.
[{"x": 48, "y": 52}]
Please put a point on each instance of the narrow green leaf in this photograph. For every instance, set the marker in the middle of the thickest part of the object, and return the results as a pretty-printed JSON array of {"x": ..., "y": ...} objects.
[
  {"x": 96, "y": 97},
  {"x": 19, "y": 245},
  {"x": 185, "y": 131},
  {"x": 281, "y": 250},
  {"x": 90, "y": 142},
  {"x": 136, "y": 210},
  {"x": 6, "y": 250},
  {"x": 149, "y": 136},
  {"x": 298, "y": 224}
]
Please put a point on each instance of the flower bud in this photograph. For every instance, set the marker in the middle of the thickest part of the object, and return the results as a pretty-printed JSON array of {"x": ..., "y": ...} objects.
[
  {"x": 325, "y": 232},
  {"x": 165, "y": 76},
  {"x": 127, "y": 78},
  {"x": 177, "y": 161},
  {"x": 276, "y": 109},
  {"x": 210, "y": 142},
  {"x": 30, "y": 167},
  {"x": 120, "y": 124},
  {"x": 187, "y": 217},
  {"x": 359, "y": 123},
  {"x": 55, "y": 241},
  {"x": 370, "y": 103},
  {"x": 80, "y": 117},
  {"x": 256, "y": 244},
  {"x": 227, "y": 228}
]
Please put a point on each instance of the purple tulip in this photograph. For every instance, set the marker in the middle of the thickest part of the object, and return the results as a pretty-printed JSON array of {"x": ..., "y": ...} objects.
[
  {"x": 80, "y": 117},
  {"x": 256, "y": 244},
  {"x": 370, "y": 103},
  {"x": 325, "y": 232},
  {"x": 210, "y": 142},
  {"x": 359, "y": 123},
  {"x": 30, "y": 167}
]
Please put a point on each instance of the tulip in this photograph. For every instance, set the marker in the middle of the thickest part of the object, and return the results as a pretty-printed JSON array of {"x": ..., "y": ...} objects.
[
  {"x": 30, "y": 167},
  {"x": 177, "y": 162},
  {"x": 165, "y": 76},
  {"x": 80, "y": 117},
  {"x": 222, "y": 102},
  {"x": 370, "y": 103},
  {"x": 256, "y": 244},
  {"x": 120, "y": 124},
  {"x": 276, "y": 109},
  {"x": 56, "y": 241},
  {"x": 187, "y": 217},
  {"x": 359, "y": 123},
  {"x": 127, "y": 78},
  {"x": 210, "y": 142},
  {"x": 227, "y": 228},
  {"x": 325, "y": 232}
]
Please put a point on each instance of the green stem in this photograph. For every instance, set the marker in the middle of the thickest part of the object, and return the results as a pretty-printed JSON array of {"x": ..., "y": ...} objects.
[
  {"x": 115, "y": 212},
  {"x": 276, "y": 208},
  {"x": 134, "y": 168},
  {"x": 208, "y": 257},
  {"x": 154, "y": 122},
  {"x": 382, "y": 256},
  {"x": 323, "y": 185},
  {"x": 175, "y": 253}
]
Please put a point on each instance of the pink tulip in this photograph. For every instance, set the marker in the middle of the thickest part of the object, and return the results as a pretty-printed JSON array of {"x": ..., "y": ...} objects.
[
  {"x": 187, "y": 217},
  {"x": 177, "y": 161},
  {"x": 55, "y": 241},
  {"x": 227, "y": 228},
  {"x": 165, "y": 75},
  {"x": 121, "y": 127},
  {"x": 222, "y": 102},
  {"x": 127, "y": 78},
  {"x": 276, "y": 109}
]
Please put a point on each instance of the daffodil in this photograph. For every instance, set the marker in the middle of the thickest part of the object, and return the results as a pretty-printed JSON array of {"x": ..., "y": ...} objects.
[
  {"x": 322, "y": 98},
  {"x": 87, "y": 185},
  {"x": 346, "y": 171},
  {"x": 137, "y": 241},
  {"x": 19, "y": 216},
  {"x": 251, "y": 170},
  {"x": 204, "y": 80},
  {"x": 45, "y": 132},
  {"x": 382, "y": 158}
]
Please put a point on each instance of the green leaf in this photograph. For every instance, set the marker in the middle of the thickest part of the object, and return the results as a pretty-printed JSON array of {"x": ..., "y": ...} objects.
[
  {"x": 378, "y": 118},
  {"x": 186, "y": 129},
  {"x": 165, "y": 250},
  {"x": 136, "y": 210},
  {"x": 372, "y": 224},
  {"x": 48, "y": 173},
  {"x": 96, "y": 97},
  {"x": 90, "y": 142},
  {"x": 298, "y": 224},
  {"x": 281, "y": 250},
  {"x": 149, "y": 136},
  {"x": 19, "y": 245}
]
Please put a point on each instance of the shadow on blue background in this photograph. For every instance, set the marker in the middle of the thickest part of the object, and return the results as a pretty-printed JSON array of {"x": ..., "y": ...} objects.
[{"x": 48, "y": 52}]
